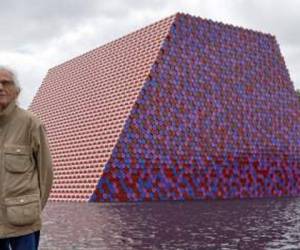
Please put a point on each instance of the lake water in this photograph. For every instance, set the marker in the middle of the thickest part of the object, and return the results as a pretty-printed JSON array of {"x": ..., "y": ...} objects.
[{"x": 223, "y": 224}]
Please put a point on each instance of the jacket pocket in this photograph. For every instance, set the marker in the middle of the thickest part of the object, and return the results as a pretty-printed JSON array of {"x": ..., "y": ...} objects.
[
  {"x": 23, "y": 210},
  {"x": 17, "y": 158}
]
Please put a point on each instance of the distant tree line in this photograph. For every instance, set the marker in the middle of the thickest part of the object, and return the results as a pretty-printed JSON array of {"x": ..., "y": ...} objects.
[{"x": 298, "y": 93}]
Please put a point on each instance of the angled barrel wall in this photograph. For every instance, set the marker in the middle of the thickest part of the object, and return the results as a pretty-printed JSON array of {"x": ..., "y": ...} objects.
[
  {"x": 85, "y": 102},
  {"x": 217, "y": 118}
]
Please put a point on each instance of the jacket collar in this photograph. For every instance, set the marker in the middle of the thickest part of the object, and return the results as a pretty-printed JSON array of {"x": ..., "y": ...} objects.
[{"x": 6, "y": 113}]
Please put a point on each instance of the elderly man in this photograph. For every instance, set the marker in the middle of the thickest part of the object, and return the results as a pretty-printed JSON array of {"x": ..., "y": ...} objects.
[{"x": 25, "y": 169}]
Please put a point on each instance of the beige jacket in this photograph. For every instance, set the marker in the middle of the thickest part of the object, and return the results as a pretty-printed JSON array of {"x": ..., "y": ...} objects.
[{"x": 25, "y": 172}]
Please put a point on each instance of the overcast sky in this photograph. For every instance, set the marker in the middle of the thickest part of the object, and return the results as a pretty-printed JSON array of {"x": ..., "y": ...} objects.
[{"x": 37, "y": 35}]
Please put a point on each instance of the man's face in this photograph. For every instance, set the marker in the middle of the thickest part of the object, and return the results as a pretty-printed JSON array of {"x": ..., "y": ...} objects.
[{"x": 8, "y": 91}]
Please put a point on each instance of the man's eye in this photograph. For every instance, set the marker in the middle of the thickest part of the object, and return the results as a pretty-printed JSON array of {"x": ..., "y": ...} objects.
[{"x": 6, "y": 82}]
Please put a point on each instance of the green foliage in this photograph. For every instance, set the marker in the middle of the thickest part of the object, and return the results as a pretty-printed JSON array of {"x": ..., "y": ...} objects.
[{"x": 298, "y": 93}]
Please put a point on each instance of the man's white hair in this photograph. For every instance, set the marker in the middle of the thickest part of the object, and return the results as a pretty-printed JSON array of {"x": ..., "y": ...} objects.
[{"x": 13, "y": 76}]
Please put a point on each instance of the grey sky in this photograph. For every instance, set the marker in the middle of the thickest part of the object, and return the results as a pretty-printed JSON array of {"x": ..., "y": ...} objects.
[{"x": 37, "y": 35}]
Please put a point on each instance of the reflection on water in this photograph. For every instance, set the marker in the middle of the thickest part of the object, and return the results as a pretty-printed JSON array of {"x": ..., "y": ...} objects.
[{"x": 229, "y": 224}]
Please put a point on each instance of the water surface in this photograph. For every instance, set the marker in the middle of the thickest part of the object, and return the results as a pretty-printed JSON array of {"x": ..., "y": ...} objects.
[{"x": 227, "y": 224}]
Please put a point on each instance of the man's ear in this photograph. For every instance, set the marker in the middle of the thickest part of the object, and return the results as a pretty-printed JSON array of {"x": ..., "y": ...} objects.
[{"x": 17, "y": 91}]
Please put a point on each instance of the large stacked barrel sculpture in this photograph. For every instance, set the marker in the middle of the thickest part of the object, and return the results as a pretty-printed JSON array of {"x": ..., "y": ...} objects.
[{"x": 183, "y": 109}]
